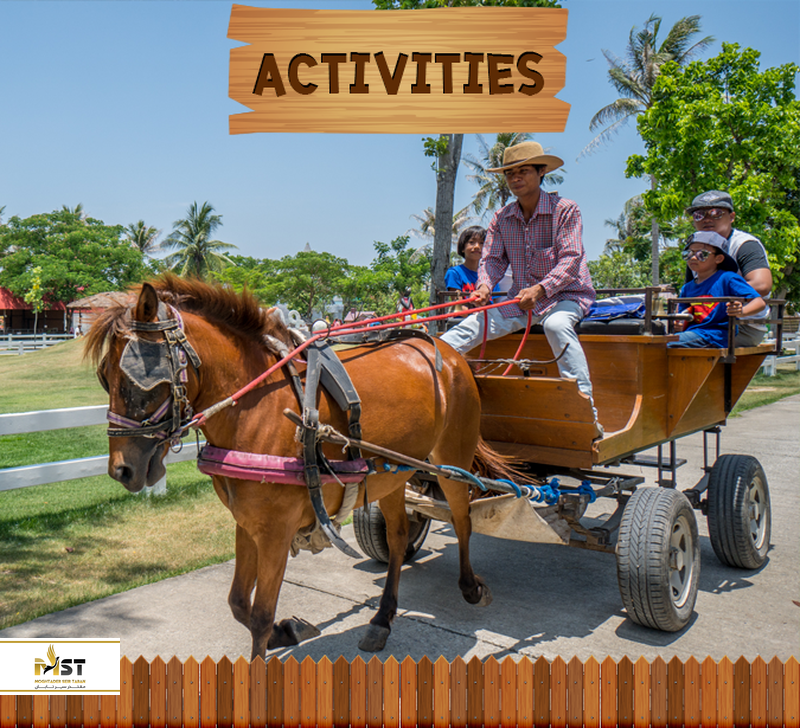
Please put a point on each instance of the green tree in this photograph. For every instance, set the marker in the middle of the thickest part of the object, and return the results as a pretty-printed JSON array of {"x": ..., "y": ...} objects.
[
  {"x": 634, "y": 78},
  {"x": 493, "y": 192},
  {"x": 619, "y": 269},
  {"x": 34, "y": 296},
  {"x": 725, "y": 124},
  {"x": 78, "y": 257},
  {"x": 196, "y": 253},
  {"x": 309, "y": 281},
  {"x": 143, "y": 237}
]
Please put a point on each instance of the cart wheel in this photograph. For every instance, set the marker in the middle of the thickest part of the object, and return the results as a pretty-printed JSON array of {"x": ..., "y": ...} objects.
[
  {"x": 369, "y": 527},
  {"x": 739, "y": 515},
  {"x": 658, "y": 559}
]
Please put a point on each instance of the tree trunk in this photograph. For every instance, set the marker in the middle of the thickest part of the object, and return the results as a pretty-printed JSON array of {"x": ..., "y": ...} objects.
[
  {"x": 654, "y": 236},
  {"x": 443, "y": 222}
]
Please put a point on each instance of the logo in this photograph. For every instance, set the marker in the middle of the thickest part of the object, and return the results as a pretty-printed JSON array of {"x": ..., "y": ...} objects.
[{"x": 56, "y": 666}]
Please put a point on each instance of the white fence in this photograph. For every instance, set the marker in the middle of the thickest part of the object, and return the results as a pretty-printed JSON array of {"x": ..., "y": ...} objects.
[
  {"x": 58, "y": 419},
  {"x": 20, "y": 343},
  {"x": 790, "y": 342}
]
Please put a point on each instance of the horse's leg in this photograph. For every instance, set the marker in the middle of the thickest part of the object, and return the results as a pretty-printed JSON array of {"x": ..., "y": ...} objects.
[
  {"x": 472, "y": 586},
  {"x": 244, "y": 576},
  {"x": 393, "y": 507}
]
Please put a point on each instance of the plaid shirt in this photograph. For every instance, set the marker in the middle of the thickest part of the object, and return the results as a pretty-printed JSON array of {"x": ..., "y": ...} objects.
[{"x": 547, "y": 250}]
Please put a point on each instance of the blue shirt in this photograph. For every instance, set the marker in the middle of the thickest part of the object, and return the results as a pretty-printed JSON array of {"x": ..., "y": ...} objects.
[
  {"x": 463, "y": 279},
  {"x": 711, "y": 319}
]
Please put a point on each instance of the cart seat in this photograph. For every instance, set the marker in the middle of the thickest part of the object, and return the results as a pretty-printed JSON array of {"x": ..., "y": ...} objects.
[{"x": 617, "y": 327}]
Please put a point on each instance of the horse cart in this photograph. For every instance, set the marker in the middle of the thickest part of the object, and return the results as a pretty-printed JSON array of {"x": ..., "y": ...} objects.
[{"x": 647, "y": 396}]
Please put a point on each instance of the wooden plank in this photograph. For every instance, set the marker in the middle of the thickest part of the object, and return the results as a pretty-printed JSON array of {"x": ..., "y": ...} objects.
[
  {"x": 241, "y": 693},
  {"x": 708, "y": 693},
  {"x": 691, "y": 693},
  {"x": 558, "y": 693},
  {"x": 658, "y": 693},
  {"x": 75, "y": 710},
  {"x": 491, "y": 692},
  {"x": 425, "y": 693},
  {"x": 508, "y": 691},
  {"x": 141, "y": 693},
  {"x": 641, "y": 693},
  {"x": 575, "y": 692},
  {"x": 125, "y": 704},
  {"x": 174, "y": 692},
  {"x": 541, "y": 696},
  {"x": 224, "y": 693},
  {"x": 391, "y": 693},
  {"x": 741, "y": 692},
  {"x": 725, "y": 707},
  {"x": 274, "y": 692},
  {"x": 458, "y": 693},
  {"x": 791, "y": 688},
  {"x": 191, "y": 693},
  {"x": 158, "y": 693},
  {"x": 324, "y": 693},
  {"x": 24, "y": 711},
  {"x": 591, "y": 693},
  {"x": 308, "y": 691},
  {"x": 688, "y": 372},
  {"x": 341, "y": 692},
  {"x": 525, "y": 682},
  {"x": 57, "y": 712},
  {"x": 358, "y": 693},
  {"x": 41, "y": 711},
  {"x": 625, "y": 697},
  {"x": 474, "y": 693},
  {"x": 8, "y": 711},
  {"x": 775, "y": 692},
  {"x": 374, "y": 692},
  {"x": 758, "y": 691},
  {"x": 441, "y": 693},
  {"x": 208, "y": 693},
  {"x": 408, "y": 693},
  {"x": 675, "y": 697},
  {"x": 258, "y": 692},
  {"x": 608, "y": 693},
  {"x": 108, "y": 711},
  {"x": 291, "y": 693}
]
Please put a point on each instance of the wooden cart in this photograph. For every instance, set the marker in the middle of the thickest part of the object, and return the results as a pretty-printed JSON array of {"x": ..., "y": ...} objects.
[{"x": 647, "y": 395}]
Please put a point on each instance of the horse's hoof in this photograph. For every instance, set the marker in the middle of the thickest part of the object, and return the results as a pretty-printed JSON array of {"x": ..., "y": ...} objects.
[
  {"x": 301, "y": 630},
  {"x": 486, "y": 596},
  {"x": 375, "y": 638}
]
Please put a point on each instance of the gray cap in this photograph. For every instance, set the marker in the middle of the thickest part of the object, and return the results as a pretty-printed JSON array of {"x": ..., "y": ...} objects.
[
  {"x": 712, "y": 198},
  {"x": 717, "y": 241}
]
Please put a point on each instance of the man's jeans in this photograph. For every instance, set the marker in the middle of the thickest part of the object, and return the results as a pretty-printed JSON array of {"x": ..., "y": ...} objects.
[{"x": 559, "y": 328}]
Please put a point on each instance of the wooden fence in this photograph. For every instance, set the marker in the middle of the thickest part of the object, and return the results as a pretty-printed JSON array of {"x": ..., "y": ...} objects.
[{"x": 438, "y": 694}]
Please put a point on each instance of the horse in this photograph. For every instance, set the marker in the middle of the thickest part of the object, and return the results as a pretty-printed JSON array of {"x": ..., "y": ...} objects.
[{"x": 415, "y": 402}]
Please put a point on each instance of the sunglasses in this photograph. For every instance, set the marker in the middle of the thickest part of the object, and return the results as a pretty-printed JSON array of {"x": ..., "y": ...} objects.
[
  {"x": 701, "y": 255},
  {"x": 713, "y": 213}
]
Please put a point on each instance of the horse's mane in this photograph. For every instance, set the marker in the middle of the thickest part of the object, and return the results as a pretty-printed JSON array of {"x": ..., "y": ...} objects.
[{"x": 220, "y": 305}]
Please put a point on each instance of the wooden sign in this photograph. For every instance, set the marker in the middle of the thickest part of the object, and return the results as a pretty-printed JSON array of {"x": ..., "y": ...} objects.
[{"x": 443, "y": 70}]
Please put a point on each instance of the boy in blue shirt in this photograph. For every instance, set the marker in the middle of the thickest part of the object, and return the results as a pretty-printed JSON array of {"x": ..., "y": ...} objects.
[{"x": 715, "y": 275}]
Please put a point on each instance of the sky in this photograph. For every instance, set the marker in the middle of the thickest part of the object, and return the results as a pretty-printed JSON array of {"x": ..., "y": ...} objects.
[{"x": 123, "y": 106}]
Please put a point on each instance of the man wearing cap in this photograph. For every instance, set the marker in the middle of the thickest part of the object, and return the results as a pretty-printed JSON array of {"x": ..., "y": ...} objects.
[
  {"x": 713, "y": 211},
  {"x": 539, "y": 236}
]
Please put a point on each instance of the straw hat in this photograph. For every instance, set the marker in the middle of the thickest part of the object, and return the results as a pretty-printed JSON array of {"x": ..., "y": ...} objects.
[{"x": 527, "y": 153}]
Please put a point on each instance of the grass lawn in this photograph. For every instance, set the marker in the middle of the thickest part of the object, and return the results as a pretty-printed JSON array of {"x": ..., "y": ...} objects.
[{"x": 69, "y": 543}]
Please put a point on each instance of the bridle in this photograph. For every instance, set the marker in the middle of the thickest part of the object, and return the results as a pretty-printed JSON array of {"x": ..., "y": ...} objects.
[{"x": 150, "y": 363}]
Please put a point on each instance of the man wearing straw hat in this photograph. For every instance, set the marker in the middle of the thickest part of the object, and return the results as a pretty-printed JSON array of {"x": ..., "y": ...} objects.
[{"x": 539, "y": 236}]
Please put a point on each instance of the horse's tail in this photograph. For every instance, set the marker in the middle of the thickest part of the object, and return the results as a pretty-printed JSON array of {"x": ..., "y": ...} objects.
[{"x": 491, "y": 464}]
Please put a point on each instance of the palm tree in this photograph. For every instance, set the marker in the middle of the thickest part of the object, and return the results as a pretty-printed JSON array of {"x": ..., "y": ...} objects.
[
  {"x": 631, "y": 228},
  {"x": 78, "y": 211},
  {"x": 195, "y": 252},
  {"x": 493, "y": 192},
  {"x": 143, "y": 237},
  {"x": 427, "y": 229},
  {"x": 634, "y": 79}
]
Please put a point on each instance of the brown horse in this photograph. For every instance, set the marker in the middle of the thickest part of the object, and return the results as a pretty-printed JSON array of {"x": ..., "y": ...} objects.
[{"x": 408, "y": 406}]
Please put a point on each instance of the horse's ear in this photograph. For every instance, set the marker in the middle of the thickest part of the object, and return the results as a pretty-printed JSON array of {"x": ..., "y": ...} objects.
[{"x": 146, "y": 308}]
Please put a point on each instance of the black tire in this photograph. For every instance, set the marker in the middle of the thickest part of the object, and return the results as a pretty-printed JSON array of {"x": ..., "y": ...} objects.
[
  {"x": 658, "y": 559},
  {"x": 739, "y": 513},
  {"x": 369, "y": 527}
]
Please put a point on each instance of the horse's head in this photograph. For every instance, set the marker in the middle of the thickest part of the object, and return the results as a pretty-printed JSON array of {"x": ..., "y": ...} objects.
[{"x": 144, "y": 371}]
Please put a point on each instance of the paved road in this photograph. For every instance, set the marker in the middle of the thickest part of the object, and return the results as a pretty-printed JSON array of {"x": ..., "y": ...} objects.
[{"x": 548, "y": 600}]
